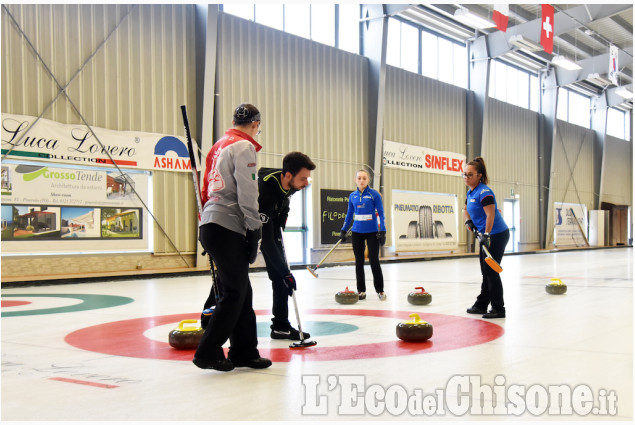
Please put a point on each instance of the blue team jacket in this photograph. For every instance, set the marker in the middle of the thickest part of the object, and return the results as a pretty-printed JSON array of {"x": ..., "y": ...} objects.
[
  {"x": 361, "y": 211},
  {"x": 476, "y": 212}
]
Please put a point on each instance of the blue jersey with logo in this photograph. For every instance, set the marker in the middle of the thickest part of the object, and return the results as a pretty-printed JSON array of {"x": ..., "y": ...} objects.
[
  {"x": 361, "y": 211},
  {"x": 475, "y": 209}
]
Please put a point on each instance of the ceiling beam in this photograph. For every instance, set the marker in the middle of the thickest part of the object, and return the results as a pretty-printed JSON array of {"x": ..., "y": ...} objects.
[
  {"x": 597, "y": 64},
  {"x": 563, "y": 23}
]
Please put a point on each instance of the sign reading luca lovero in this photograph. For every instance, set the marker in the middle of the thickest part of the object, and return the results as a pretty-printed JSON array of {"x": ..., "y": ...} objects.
[{"x": 45, "y": 140}]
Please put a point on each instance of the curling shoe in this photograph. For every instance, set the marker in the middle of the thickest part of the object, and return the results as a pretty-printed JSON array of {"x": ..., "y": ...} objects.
[
  {"x": 362, "y": 295},
  {"x": 475, "y": 310},
  {"x": 382, "y": 296},
  {"x": 224, "y": 365},
  {"x": 292, "y": 334},
  {"x": 257, "y": 363},
  {"x": 494, "y": 314}
]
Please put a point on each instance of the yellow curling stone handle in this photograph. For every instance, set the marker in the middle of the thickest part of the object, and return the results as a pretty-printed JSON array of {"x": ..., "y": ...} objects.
[
  {"x": 416, "y": 320},
  {"x": 181, "y": 326}
]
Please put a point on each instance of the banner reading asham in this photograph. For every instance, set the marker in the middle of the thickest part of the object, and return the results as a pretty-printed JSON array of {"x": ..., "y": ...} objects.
[
  {"x": 418, "y": 158},
  {"x": 51, "y": 141},
  {"x": 570, "y": 224},
  {"x": 423, "y": 221}
]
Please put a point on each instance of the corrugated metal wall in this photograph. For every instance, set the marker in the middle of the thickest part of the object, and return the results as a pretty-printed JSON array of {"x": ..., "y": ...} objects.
[
  {"x": 136, "y": 80},
  {"x": 510, "y": 150},
  {"x": 617, "y": 172},
  {"x": 571, "y": 169},
  {"x": 312, "y": 98},
  {"x": 423, "y": 112}
]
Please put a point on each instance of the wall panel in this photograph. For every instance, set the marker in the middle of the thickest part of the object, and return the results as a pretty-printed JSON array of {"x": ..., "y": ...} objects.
[
  {"x": 510, "y": 150},
  {"x": 134, "y": 79},
  {"x": 423, "y": 112},
  {"x": 312, "y": 98}
]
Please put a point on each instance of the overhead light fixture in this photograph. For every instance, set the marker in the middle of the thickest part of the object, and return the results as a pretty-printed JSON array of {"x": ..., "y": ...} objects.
[
  {"x": 565, "y": 63},
  {"x": 463, "y": 15},
  {"x": 622, "y": 91},
  {"x": 522, "y": 61},
  {"x": 597, "y": 79},
  {"x": 524, "y": 43}
]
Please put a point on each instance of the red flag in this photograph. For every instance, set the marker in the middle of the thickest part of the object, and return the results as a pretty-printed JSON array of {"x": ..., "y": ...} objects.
[
  {"x": 501, "y": 16},
  {"x": 547, "y": 28}
]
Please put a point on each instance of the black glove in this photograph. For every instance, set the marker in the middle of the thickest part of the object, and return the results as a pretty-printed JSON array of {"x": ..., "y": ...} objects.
[
  {"x": 253, "y": 237},
  {"x": 289, "y": 282},
  {"x": 381, "y": 237},
  {"x": 343, "y": 236},
  {"x": 486, "y": 240},
  {"x": 469, "y": 225}
]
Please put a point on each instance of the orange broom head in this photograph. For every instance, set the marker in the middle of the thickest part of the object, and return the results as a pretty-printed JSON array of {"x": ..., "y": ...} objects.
[
  {"x": 493, "y": 264},
  {"x": 312, "y": 271}
]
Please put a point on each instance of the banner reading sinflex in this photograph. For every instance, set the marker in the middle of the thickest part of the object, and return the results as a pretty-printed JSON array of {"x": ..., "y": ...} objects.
[
  {"x": 418, "y": 158},
  {"x": 51, "y": 141},
  {"x": 424, "y": 221}
]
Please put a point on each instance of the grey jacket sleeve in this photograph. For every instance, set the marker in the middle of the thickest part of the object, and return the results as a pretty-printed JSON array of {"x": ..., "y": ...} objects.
[{"x": 245, "y": 173}]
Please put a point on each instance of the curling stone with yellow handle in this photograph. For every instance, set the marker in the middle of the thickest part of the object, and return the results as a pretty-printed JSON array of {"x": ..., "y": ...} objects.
[
  {"x": 415, "y": 330},
  {"x": 556, "y": 287},
  {"x": 420, "y": 298},
  {"x": 347, "y": 297},
  {"x": 186, "y": 337}
]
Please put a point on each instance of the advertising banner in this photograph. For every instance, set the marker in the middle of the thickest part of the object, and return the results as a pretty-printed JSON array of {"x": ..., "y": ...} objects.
[
  {"x": 72, "y": 209},
  {"x": 418, "y": 158},
  {"x": 570, "y": 224},
  {"x": 74, "y": 144},
  {"x": 333, "y": 204},
  {"x": 423, "y": 221}
]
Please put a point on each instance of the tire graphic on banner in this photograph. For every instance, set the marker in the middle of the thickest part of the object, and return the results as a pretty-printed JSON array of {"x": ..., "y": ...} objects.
[
  {"x": 439, "y": 230},
  {"x": 423, "y": 221},
  {"x": 413, "y": 230}
]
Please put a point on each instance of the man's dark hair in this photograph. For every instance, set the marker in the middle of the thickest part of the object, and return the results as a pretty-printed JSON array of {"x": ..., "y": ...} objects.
[
  {"x": 293, "y": 162},
  {"x": 245, "y": 113}
]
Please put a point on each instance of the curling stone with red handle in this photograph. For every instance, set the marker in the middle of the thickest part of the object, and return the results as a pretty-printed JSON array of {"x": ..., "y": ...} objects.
[
  {"x": 419, "y": 298},
  {"x": 347, "y": 297}
]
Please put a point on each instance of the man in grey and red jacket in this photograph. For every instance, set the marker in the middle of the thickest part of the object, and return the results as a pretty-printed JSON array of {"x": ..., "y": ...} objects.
[
  {"x": 229, "y": 231},
  {"x": 275, "y": 187}
]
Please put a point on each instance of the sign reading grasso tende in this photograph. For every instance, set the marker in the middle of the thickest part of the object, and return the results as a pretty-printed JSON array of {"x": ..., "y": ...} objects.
[
  {"x": 418, "y": 158},
  {"x": 51, "y": 141}
]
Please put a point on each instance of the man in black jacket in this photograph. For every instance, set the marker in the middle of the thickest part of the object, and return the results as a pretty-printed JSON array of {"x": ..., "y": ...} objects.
[{"x": 275, "y": 187}]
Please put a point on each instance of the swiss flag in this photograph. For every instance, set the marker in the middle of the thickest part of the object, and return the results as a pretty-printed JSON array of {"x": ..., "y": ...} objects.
[
  {"x": 501, "y": 16},
  {"x": 546, "y": 28}
]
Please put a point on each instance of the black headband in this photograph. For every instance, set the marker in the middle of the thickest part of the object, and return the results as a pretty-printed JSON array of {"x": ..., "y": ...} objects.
[{"x": 242, "y": 115}]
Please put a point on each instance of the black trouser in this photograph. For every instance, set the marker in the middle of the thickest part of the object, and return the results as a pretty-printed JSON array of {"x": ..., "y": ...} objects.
[
  {"x": 280, "y": 307},
  {"x": 234, "y": 316},
  {"x": 359, "y": 245},
  {"x": 492, "y": 286}
]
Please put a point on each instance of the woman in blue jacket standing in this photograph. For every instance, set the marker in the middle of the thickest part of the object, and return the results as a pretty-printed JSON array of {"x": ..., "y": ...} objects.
[
  {"x": 363, "y": 205},
  {"x": 481, "y": 215}
]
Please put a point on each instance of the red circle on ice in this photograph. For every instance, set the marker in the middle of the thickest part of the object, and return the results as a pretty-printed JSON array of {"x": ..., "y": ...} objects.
[
  {"x": 125, "y": 338},
  {"x": 13, "y": 303}
]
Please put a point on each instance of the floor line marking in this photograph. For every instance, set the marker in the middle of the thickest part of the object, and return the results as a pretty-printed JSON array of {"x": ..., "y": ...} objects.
[{"x": 78, "y": 381}]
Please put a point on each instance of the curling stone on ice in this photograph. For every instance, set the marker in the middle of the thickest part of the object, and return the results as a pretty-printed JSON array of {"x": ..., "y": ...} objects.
[
  {"x": 420, "y": 298},
  {"x": 186, "y": 337},
  {"x": 556, "y": 287},
  {"x": 347, "y": 297},
  {"x": 415, "y": 330}
]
